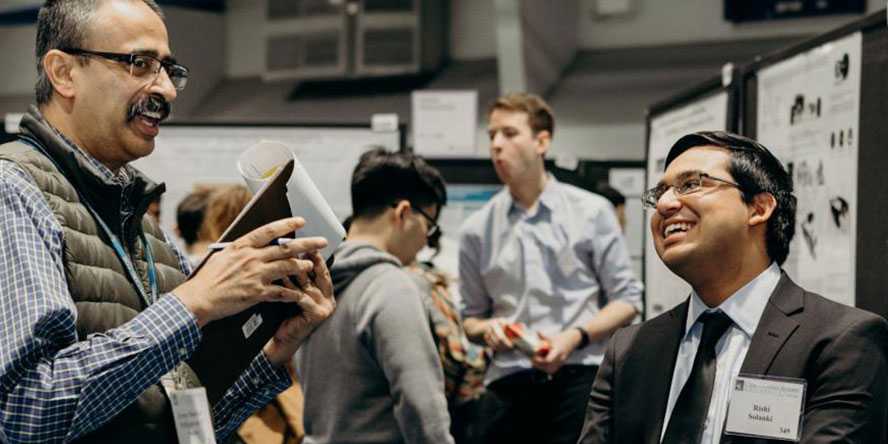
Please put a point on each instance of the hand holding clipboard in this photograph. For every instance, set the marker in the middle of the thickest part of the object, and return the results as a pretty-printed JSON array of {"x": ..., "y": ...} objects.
[{"x": 282, "y": 189}]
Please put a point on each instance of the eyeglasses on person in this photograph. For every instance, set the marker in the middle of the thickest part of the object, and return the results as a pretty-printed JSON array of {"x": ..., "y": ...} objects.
[
  {"x": 433, "y": 225},
  {"x": 687, "y": 183},
  {"x": 141, "y": 65}
]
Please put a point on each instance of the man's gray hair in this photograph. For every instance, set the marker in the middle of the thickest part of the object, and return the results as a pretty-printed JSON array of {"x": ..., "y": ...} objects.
[{"x": 64, "y": 24}]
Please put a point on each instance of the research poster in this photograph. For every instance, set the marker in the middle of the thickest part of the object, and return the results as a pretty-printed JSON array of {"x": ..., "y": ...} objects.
[
  {"x": 809, "y": 114},
  {"x": 663, "y": 289}
]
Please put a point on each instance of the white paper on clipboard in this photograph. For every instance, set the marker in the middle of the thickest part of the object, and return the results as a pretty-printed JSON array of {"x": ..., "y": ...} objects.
[{"x": 259, "y": 162}]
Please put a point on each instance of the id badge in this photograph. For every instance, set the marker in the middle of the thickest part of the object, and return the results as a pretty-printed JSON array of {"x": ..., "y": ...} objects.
[
  {"x": 191, "y": 409},
  {"x": 191, "y": 412},
  {"x": 766, "y": 407}
]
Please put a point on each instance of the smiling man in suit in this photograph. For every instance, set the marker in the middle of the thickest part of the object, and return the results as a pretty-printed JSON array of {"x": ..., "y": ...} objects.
[{"x": 724, "y": 218}]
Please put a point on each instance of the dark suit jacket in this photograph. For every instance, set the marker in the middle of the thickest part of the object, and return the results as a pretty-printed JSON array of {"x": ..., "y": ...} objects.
[{"x": 842, "y": 353}]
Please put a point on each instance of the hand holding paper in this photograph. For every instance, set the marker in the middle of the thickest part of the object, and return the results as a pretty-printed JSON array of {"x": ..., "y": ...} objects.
[
  {"x": 258, "y": 165},
  {"x": 282, "y": 189},
  {"x": 317, "y": 304},
  {"x": 242, "y": 275}
]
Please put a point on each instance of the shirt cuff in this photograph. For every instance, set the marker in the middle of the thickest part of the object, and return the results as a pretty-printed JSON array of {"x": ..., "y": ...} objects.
[
  {"x": 171, "y": 326},
  {"x": 263, "y": 378}
]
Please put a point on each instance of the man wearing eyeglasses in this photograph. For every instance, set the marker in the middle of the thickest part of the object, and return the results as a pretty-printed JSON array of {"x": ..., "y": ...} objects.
[
  {"x": 749, "y": 357},
  {"x": 371, "y": 373},
  {"x": 96, "y": 316},
  {"x": 550, "y": 256}
]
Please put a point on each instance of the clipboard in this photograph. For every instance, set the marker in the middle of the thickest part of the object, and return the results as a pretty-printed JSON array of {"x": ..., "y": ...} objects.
[{"x": 229, "y": 345}]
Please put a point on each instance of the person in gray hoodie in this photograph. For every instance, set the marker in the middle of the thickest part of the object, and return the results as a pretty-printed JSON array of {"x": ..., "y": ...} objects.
[{"x": 371, "y": 372}]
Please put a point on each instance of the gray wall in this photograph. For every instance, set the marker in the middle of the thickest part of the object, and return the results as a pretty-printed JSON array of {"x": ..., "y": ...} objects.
[
  {"x": 197, "y": 39},
  {"x": 17, "y": 49}
]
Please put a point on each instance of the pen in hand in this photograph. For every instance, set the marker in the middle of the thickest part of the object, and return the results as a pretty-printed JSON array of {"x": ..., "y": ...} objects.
[{"x": 221, "y": 245}]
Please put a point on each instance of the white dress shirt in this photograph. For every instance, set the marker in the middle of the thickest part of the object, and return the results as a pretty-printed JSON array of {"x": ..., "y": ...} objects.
[
  {"x": 745, "y": 308},
  {"x": 552, "y": 267}
]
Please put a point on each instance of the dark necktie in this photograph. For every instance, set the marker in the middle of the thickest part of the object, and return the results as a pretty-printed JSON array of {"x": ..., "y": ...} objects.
[{"x": 689, "y": 414}]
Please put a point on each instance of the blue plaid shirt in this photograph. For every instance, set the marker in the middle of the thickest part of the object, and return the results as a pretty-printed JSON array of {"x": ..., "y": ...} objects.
[{"x": 55, "y": 386}]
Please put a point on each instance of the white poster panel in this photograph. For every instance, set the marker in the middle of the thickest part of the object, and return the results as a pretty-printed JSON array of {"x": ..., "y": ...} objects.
[
  {"x": 444, "y": 122},
  {"x": 462, "y": 201},
  {"x": 630, "y": 182},
  {"x": 185, "y": 156},
  {"x": 809, "y": 115},
  {"x": 663, "y": 289}
]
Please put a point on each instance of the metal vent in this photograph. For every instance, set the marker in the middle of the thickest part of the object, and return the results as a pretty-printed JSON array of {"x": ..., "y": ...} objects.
[
  {"x": 389, "y": 47},
  {"x": 287, "y": 9},
  {"x": 302, "y": 51},
  {"x": 388, "y": 5}
]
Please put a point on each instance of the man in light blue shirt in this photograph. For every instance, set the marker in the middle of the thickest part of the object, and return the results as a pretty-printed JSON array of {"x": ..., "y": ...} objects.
[
  {"x": 725, "y": 216},
  {"x": 550, "y": 256}
]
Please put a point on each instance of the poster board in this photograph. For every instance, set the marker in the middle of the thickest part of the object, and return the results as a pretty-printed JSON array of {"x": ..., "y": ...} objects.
[
  {"x": 808, "y": 109},
  {"x": 190, "y": 154},
  {"x": 709, "y": 106},
  {"x": 867, "y": 247}
]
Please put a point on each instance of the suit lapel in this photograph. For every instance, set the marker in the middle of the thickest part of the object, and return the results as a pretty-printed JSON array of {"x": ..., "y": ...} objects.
[
  {"x": 775, "y": 327},
  {"x": 657, "y": 344}
]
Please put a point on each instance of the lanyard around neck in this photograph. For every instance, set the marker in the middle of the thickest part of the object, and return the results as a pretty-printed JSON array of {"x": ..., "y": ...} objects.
[{"x": 116, "y": 244}]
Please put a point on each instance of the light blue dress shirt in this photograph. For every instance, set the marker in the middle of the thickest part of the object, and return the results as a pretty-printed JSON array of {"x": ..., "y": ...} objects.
[
  {"x": 745, "y": 308},
  {"x": 552, "y": 267}
]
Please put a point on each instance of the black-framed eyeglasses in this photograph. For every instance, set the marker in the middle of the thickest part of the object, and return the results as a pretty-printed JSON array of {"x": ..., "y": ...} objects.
[
  {"x": 687, "y": 183},
  {"x": 433, "y": 225},
  {"x": 141, "y": 65}
]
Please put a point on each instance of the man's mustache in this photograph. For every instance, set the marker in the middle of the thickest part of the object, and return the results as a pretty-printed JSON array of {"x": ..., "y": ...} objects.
[{"x": 150, "y": 104}]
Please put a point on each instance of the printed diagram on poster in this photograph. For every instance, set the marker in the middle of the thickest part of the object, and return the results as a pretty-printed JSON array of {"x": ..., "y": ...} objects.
[
  {"x": 663, "y": 289},
  {"x": 808, "y": 115}
]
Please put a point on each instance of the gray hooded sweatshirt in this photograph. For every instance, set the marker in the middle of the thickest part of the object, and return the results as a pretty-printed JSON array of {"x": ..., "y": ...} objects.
[{"x": 371, "y": 372}]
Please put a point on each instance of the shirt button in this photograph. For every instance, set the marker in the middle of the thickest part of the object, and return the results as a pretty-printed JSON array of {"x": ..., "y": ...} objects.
[
  {"x": 183, "y": 352},
  {"x": 256, "y": 381}
]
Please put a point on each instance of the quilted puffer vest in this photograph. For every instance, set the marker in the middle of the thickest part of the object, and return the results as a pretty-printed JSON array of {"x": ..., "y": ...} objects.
[{"x": 98, "y": 283}]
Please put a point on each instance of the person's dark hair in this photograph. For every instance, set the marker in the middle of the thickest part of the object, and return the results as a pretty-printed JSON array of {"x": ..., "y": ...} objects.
[
  {"x": 190, "y": 214},
  {"x": 615, "y": 197},
  {"x": 383, "y": 178},
  {"x": 65, "y": 24},
  {"x": 539, "y": 114},
  {"x": 756, "y": 171},
  {"x": 222, "y": 206}
]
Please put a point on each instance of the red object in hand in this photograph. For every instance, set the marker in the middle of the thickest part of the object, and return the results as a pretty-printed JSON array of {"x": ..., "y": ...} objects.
[{"x": 529, "y": 343}]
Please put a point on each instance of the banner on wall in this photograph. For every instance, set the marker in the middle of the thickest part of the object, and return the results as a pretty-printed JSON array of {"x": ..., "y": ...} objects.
[{"x": 808, "y": 115}]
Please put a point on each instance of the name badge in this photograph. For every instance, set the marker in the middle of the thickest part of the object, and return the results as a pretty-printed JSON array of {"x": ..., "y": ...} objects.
[
  {"x": 191, "y": 411},
  {"x": 766, "y": 407}
]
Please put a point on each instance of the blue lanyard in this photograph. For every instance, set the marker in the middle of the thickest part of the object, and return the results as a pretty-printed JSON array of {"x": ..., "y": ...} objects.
[
  {"x": 128, "y": 263},
  {"x": 116, "y": 244}
]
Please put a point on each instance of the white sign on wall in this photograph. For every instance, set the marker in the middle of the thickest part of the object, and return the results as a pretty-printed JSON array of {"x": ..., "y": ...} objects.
[
  {"x": 808, "y": 115},
  {"x": 444, "y": 123}
]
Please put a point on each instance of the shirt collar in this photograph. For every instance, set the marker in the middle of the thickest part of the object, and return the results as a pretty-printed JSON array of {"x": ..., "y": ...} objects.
[
  {"x": 548, "y": 198},
  {"x": 745, "y": 307},
  {"x": 122, "y": 177}
]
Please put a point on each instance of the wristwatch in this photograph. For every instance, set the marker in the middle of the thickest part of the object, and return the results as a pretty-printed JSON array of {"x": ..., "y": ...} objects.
[{"x": 584, "y": 337}]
